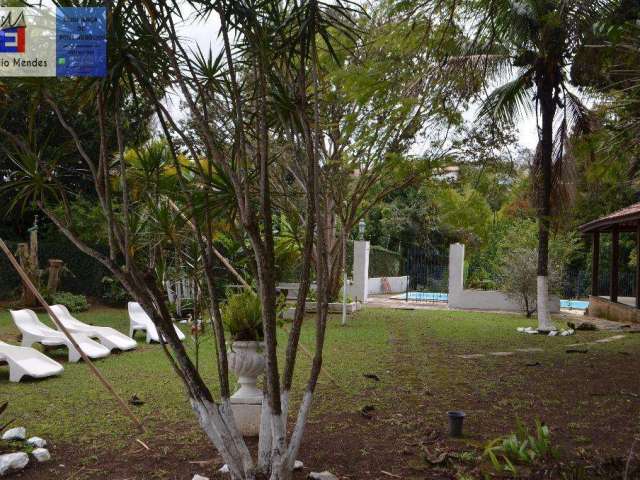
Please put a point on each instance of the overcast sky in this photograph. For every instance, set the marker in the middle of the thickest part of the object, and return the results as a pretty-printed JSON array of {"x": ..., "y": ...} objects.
[{"x": 204, "y": 34}]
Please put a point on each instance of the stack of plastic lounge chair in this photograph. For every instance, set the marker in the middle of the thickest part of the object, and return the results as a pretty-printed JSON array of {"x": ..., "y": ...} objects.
[
  {"x": 109, "y": 337},
  {"x": 140, "y": 321},
  {"x": 29, "y": 362},
  {"x": 34, "y": 331}
]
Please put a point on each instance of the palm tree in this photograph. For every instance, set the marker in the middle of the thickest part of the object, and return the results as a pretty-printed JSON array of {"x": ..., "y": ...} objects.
[{"x": 537, "y": 40}]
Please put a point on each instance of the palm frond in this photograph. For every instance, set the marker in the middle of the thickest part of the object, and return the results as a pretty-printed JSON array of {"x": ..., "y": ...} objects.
[
  {"x": 581, "y": 119},
  {"x": 563, "y": 173},
  {"x": 509, "y": 102}
]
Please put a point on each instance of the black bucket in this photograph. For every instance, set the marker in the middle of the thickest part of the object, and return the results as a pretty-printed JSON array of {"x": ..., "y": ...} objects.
[{"x": 455, "y": 423}]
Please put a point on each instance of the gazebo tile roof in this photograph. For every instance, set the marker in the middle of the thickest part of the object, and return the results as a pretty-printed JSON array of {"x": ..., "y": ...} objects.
[{"x": 625, "y": 218}]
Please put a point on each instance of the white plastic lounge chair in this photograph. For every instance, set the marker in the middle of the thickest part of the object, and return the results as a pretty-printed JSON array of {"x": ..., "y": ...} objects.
[
  {"x": 109, "y": 337},
  {"x": 139, "y": 320},
  {"x": 34, "y": 331},
  {"x": 27, "y": 361}
]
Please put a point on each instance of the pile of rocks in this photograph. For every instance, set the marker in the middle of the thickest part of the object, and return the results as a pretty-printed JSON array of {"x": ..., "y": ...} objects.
[
  {"x": 552, "y": 333},
  {"x": 298, "y": 465},
  {"x": 18, "y": 460}
]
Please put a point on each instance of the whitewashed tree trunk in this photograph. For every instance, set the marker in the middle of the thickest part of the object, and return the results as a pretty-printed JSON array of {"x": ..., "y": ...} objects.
[
  {"x": 215, "y": 420},
  {"x": 542, "y": 304}
]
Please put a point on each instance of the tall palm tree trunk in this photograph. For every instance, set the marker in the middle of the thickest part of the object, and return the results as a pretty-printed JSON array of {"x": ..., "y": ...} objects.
[{"x": 548, "y": 109}]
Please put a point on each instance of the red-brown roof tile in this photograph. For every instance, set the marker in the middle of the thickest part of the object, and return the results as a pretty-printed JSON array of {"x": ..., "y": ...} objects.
[{"x": 626, "y": 218}]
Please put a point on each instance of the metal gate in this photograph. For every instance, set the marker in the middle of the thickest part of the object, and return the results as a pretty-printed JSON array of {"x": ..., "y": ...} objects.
[{"x": 428, "y": 276}]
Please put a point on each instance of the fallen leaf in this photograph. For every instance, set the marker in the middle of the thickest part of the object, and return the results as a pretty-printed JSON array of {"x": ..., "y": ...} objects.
[
  {"x": 366, "y": 411},
  {"x": 390, "y": 474},
  {"x": 134, "y": 400},
  {"x": 435, "y": 458}
]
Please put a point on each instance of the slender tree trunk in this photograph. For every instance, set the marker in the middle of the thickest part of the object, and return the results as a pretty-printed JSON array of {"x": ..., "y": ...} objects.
[
  {"x": 335, "y": 274},
  {"x": 548, "y": 107}
]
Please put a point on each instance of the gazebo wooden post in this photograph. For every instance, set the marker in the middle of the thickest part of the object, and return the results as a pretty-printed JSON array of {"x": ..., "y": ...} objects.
[
  {"x": 615, "y": 260},
  {"x": 595, "y": 264},
  {"x": 638, "y": 265}
]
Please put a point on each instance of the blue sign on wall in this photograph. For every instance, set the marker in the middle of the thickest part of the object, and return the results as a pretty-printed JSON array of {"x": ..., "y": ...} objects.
[{"x": 81, "y": 42}]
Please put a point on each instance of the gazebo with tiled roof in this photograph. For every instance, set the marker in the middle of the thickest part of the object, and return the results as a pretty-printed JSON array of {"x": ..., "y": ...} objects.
[{"x": 624, "y": 220}]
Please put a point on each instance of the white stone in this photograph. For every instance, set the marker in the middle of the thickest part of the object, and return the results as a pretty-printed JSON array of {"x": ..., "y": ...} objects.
[
  {"x": 322, "y": 476},
  {"x": 37, "y": 442},
  {"x": 199, "y": 477},
  {"x": 298, "y": 465},
  {"x": 521, "y": 329},
  {"x": 553, "y": 333},
  {"x": 18, "y": 433},
  {"x": 41, "y": 454},
  {"x": 566, "y": 333},
  {"x": 13, "y": 461},
  {"x": 224, "y": 469}
]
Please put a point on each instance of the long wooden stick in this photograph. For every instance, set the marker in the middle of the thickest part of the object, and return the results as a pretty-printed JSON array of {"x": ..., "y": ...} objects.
[
  {"x": 29, "y": 284},
  {"x": 221, "y": 257}
]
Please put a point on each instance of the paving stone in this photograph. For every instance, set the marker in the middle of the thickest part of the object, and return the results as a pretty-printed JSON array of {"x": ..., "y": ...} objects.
[
  {"x": 322, "y": 476},
  {"x": 610, "y": 339}
]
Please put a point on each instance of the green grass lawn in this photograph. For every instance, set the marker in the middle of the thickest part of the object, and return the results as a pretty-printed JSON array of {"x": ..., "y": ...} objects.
[
  {"x": 415, "y": 354},
  {"x": 75, "y": 406}
]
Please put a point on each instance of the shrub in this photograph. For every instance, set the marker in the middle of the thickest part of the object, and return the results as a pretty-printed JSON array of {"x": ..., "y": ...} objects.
[
  {"x": 74, "y": 303},
  {"x": 242, "y": 316},
  {"x": 312, "y": 295},
  {"x": 519, "y": 266},
  {"x": 112, "y": 292},
  {"x": 520, "y": 447},
  {"x": 383, "y": 262}
]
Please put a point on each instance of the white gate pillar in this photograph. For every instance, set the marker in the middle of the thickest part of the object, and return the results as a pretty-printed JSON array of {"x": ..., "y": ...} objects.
[
  {"x": 360, "y": 287},
  {"x": 456, "y": 270}
]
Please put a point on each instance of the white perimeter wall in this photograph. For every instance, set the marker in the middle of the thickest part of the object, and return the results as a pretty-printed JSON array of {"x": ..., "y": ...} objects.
[
  {"x": 459, "y": 297},
  {"x": 397, "y": 285},
  {"x": 360, "y": 286}
]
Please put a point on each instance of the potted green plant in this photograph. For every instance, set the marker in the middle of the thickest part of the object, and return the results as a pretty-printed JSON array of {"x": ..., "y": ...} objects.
[{"x": 242, "y": 317}]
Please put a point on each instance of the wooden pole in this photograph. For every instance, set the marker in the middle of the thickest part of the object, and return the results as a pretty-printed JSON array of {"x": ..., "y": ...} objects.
[
  {"x": 615, "y": 260},
  {"x": 55, "y": 266},
  {"x": 29, "y": 284},
  {"x": 595, "y": 264},
  {"x": 638, "y": 265}
]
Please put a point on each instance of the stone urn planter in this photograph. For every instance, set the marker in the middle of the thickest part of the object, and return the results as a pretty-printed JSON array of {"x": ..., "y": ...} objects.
[{"x": 246, "y": 360}]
